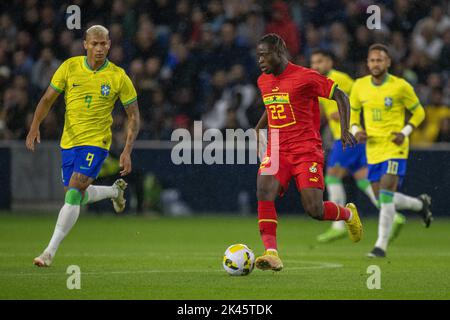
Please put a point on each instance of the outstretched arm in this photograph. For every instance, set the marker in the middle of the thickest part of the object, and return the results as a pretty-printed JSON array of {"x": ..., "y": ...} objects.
[
  {"x": 132, "y": 111},
  {"x": 344, "y": 114},
  {"x": 42, "y": 109}
]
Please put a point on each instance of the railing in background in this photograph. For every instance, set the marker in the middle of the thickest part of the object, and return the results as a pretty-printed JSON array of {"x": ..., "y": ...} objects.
[{"x": 32, "y": 180}]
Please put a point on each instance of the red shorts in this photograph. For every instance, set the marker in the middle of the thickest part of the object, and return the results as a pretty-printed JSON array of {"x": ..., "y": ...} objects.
[{"x": 307, "y": 174}]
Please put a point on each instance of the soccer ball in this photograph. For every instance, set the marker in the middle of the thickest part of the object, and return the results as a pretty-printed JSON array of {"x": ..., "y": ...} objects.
[{"x": 238, "y": 260}]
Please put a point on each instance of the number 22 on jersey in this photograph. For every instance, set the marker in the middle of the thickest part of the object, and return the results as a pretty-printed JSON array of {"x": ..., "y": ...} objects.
[{"x": 279, "y": 110}]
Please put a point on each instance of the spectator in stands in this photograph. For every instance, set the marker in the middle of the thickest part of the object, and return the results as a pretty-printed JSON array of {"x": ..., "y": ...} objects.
[
  {"x": 435, "y": 127},
  {"x": 282, "y": 24}
]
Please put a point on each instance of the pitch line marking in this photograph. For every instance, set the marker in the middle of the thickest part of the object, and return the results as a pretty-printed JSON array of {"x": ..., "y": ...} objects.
[{"x": 314, "y": 265}]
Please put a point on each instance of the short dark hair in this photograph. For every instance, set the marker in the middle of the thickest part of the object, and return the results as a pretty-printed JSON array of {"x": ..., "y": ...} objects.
[
  {"x": 381, "y": 47},
  {"x": 324, "y": 52},
  {"x": 276, "y": 41}
]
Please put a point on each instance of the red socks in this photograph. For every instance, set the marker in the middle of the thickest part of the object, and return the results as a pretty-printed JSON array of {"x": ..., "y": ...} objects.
[
  {"x": 267, "y": 219},
  {"x": 332, "y": 211}
]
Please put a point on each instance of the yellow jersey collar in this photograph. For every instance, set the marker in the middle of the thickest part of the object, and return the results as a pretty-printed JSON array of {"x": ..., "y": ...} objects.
[
  {"x": 102, "y": 67},
  {"x": 386, "y": 78}
]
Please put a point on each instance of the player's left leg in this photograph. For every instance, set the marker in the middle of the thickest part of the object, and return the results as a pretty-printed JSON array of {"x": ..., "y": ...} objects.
[
  {"x": 312, "y": 201},
  {"x": 115, "y": 193},
  {"x": 387, "y": 186},
  {"x": 364, "y": 185},
  {"x": 336, "y": 194},
  {"x": 309, "y": 180}
]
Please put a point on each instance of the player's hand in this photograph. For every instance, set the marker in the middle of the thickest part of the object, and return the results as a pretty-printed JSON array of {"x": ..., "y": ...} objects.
[
  {"x": 361, "y": 136},
  {"x": 33, "y": 135},
  {"x": 125, "y": 163},
  {"x": 399, "y": 138},
  {"x": 348, "y": 140}
]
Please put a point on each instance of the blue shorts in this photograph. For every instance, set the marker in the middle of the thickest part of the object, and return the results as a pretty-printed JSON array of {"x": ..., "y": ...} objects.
[
  {"x": 352, "y": 158},
  {"x": 86, "y": 160},
  {"x": 395, "y": 167}
]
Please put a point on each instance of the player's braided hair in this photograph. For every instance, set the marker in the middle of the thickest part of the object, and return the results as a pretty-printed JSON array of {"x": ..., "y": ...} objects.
[{"x": 276, "y": 41}]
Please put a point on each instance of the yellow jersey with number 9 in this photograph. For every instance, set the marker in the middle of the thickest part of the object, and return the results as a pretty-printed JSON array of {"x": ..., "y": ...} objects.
[
  {"x": 345, "y": 83},
  {"x": 90, "y": 97},
  {"x": 383, "y": 109}
]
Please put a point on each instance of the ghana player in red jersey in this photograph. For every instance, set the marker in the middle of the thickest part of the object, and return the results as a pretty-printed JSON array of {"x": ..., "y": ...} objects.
[{"x": 290, "y": 94}]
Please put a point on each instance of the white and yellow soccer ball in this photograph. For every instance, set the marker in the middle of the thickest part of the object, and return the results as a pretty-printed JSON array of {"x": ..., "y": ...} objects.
[{"x": 238, "y": 260}]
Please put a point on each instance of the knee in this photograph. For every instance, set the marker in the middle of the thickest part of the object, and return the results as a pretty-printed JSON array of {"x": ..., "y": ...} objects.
[
  {"x": 265, "y": 193},
  {"x": 314, "y": 209}
]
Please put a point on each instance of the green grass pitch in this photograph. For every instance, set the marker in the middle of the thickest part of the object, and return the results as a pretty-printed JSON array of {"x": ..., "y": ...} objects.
[{"x": 168, "y": 258}]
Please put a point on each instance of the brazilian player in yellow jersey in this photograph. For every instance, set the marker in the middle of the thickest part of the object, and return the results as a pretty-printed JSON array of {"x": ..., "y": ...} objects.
[
  {"x": 91, "y": 85},
  {"x": 384, "y": 99},
  {"x": 340, "y": 161}
]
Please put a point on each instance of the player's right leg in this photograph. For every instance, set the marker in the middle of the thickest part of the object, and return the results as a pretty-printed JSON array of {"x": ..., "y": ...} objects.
[
  {"x": 269, "y": 187},
  {"x": 68, "y": 216}
]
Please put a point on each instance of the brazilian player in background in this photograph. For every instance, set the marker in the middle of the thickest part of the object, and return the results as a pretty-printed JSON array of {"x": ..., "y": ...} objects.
[
  {"x": 383, "y": 98},
  {"x": 91, "y": 85},
  {"x": 342, "y": 162}
]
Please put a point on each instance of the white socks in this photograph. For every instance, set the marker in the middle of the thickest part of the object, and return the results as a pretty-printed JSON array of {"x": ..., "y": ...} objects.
[
  {"x": 386, "y": 218},
  {"x": 97, "y": 193},
  {"x": 67, "y": 217},
  {"x": 336, "y": 193},
  {"x": 365, "y": 186},
  {"x": 404, "y": 202},
  {"x": 69, "y": 213}
]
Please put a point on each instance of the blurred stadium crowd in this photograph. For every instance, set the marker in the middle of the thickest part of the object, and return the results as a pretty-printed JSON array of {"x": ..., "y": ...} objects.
[{"x": 195, "y": 60}]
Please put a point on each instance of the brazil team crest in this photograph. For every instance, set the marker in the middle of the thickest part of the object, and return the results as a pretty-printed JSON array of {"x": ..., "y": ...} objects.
[
  {"x": 388, "y": 101},
  {"x": 105, "y": 90}
]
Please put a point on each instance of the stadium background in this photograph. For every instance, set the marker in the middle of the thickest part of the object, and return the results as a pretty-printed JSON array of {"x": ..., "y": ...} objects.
[{"x": 195, "y": 60}]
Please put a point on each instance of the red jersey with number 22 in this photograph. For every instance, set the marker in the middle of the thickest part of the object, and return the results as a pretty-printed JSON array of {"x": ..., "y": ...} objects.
[{"x": 291, "y": 101}]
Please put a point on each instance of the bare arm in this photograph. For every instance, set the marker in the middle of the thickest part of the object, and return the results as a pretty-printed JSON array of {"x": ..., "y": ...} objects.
[
  {"x": 344, "y": 114},
  {"x": 261, "y": 142},
  {"x": 262, "y": 123},
  {"x": 42, "y": 109},
  {"x": 132, "y": 111}
]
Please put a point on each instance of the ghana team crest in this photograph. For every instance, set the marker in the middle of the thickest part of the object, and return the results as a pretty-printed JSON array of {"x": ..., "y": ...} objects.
[
  {"x": 388, "y": 101},
  {"x": 313, "y": 168},
  {"x": 105, "y": 90}
]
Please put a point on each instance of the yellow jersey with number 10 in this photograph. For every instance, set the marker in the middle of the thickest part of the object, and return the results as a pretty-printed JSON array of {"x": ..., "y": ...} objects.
[
  {"x": 345, "y": 83},
  {"x": 90, "y": 97},
  {"x": 383, "y": 109}
]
